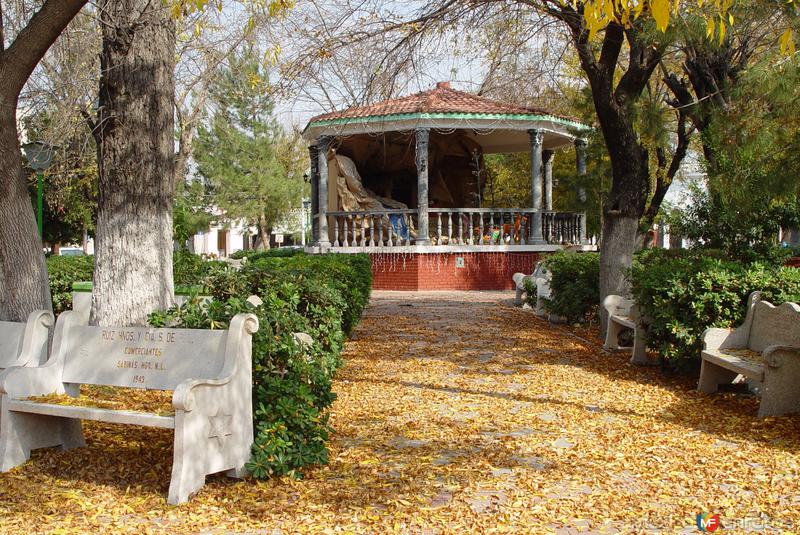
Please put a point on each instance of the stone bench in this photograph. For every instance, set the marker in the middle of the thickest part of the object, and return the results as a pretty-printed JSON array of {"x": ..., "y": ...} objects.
[
  {"x": 623, "y": 314},
  {"x": 765, "y": 349},
  {"x": 209, "y": 372},
  {"x": 541, "y": 279},
  {"x": 25, "y": 344}
]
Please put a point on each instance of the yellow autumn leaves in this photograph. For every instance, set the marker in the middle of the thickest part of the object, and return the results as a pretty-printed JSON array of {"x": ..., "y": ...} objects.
[{"x": 599, "y": 13}]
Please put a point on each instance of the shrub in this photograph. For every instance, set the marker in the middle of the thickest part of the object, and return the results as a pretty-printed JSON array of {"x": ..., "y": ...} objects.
[
  {"x": 574, "y": 285},
  {"x": 63, "y": 271},
  {"x": 683, "y": 293},
  {"x": 291, "y": 388}
]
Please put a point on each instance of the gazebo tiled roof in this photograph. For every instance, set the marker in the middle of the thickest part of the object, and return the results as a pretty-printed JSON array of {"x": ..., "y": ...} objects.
[
  {"x": 496, "y": 126},
  {"x": 441, "y": 100}
]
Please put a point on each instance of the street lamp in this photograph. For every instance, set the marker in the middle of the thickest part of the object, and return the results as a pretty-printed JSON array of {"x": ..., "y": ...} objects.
[{"x": 39, "y": 156}]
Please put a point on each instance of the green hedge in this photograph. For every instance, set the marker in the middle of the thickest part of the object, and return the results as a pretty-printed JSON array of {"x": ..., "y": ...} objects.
[
  {"x": 63, "y": 272},
  {"x": 321, "y": 295},
  {"x": 682, "y": 293},
  {"x": 574, "y": 286}
]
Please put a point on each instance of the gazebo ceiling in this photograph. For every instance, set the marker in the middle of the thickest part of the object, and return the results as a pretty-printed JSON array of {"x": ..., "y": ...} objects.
[{"x": 495, "y": 126}]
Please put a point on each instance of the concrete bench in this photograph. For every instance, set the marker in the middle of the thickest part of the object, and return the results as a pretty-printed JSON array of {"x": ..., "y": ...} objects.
[
  {"x": 623, "y": 314},
  {"x": 209, "y": 372},
  {"x": 541, "y": 279},
  {"x": 25, "y": 344},
  {"x": 765, "y": 349}
]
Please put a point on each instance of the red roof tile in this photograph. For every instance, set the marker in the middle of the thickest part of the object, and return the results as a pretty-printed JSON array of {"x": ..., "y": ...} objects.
[{"x": 443, "y": 99}]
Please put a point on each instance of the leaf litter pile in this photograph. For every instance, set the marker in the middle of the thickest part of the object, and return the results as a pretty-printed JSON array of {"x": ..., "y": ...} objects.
[{"x": 457, "y": 413}]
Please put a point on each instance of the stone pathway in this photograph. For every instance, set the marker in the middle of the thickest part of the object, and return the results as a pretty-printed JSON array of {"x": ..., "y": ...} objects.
[
  {"x": 506, "y": 420},
  {"x": 457, "y": 413}
]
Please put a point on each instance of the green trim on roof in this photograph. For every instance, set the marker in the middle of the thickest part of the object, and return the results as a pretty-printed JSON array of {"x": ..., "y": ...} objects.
[{"x": 405, "y": 116}]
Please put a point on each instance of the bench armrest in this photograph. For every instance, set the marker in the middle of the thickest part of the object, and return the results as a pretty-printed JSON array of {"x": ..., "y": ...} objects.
[
  {"x": 37, "y": 334},
  {"x": 237, "y": 370},
  {"x": 776, "y": 355},
  {"x": 714, "y": 337},
  {"x": 617, "y": 305},
  {"x": 22, "y": 382}
]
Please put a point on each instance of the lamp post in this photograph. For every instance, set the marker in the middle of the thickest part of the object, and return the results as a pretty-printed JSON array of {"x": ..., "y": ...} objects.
[
  {"x": 39, "y": 156},
  {"x": 304, "y": 220}
]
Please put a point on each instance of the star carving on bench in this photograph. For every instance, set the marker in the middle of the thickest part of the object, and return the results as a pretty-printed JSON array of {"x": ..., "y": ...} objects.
[{"x": 220, "y": 426}]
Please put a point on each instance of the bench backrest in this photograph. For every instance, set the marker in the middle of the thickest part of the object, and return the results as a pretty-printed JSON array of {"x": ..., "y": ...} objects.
[
  {"x": 138, "y": 357},
  {"x": 11, "y": 337},
  {"x": 773, "y": 325}
]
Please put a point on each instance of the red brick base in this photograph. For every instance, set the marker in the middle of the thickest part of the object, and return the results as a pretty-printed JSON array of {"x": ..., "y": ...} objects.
[{"x": 443, "y": 271}]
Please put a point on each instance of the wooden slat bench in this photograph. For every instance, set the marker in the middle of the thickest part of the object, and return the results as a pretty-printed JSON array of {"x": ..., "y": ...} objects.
[
  {"x": 623, "y": 314},
  {"x": 764, "y": 349},
  {"x": 209, "y": 372},
  {"x": 25, "y": 344}
]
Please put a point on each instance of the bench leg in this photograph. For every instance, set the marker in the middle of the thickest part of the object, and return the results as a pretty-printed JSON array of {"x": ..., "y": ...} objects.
[
  {"x": 781, "y": 390},
  {"x": 612, "y": 335},
  {"x": 711, "y": 376},
  {"x": 20, "y": 433},
  {"x": 540, "y": 311},
  {"x": 518, "y": 297},
  {"x": 187, "y": 478},
  {"x": 639, "y": 355},
  {"x": 240, "y": 472}
]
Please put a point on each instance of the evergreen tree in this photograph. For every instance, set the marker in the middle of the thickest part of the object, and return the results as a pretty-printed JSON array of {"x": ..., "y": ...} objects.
[{"x": 239, "y": 151}]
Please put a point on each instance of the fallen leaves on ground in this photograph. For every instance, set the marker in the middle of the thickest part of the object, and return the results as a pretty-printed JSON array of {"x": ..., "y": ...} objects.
[
  {"x": 110, "y": 397},
  {"x": 457, "y": 413}
]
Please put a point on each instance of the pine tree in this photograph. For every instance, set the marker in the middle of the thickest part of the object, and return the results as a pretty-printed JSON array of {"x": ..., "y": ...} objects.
[{"x": 238, "y": 151}]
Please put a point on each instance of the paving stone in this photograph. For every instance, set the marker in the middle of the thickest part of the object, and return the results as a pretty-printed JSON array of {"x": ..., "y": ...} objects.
[
  {"x": 535, "y": 463},
  {"x": 562, "y": 443},
  {"x": 502, "y": 472},
  {"x": 522, "y": 432},
  {"x": 547, "y": 417},
  {"x": 484, "y": 501},
  {"x": 403, "y": 442},
  {"x": 442, "y": 498}
]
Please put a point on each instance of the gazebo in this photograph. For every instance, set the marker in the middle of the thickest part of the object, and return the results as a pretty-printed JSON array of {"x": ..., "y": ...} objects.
[{"x": 405, "y": 177}]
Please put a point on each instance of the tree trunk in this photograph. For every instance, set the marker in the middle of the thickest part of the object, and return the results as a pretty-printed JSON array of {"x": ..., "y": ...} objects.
[
  {"x": 616, "y": 255},
  {"x": 135, "y": 127},
  {"x": 263, "y": 232},
  {"x": 24, "y": 286}
]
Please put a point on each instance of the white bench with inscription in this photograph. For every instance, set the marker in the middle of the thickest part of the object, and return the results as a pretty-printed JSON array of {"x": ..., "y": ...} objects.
[
  {"x": 764, "y": 349},
  {"x": 210, "y": 372},
  {"x": 25, "y": 344}
]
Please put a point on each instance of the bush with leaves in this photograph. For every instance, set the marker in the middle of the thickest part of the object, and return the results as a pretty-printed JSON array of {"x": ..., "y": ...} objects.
[
  {"x": 291, "y": 386},
  {"x": 682, "y": 293},
  {"x": 575, "y": 290},
  {"x": 63, "y": 272}
]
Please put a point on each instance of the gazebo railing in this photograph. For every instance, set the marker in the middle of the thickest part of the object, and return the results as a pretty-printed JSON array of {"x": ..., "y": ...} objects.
[
  {"x": 375, "y": 228},
  {"x": 563, "y": 227},
  {"x": 479, "y": 226},
  {"x": 453, "y": 226}
]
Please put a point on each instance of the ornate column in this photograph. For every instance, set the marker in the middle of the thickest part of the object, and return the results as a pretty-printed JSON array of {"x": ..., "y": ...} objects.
[
  {"x": 314, "y": 157},
  {"x": 422, "y": 135},
  {"x": 580, "y": 164},
  {"x": 323, "y": 145},
  {"x": 547, "y": 158},
  {"x": 536, "y": 137}
]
